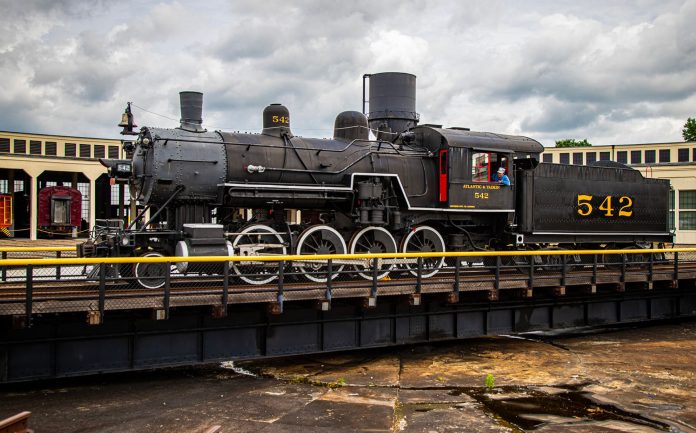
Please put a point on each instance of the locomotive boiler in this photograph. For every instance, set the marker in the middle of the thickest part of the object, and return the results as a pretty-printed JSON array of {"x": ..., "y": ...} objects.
[{"x": 383, "y": 183}]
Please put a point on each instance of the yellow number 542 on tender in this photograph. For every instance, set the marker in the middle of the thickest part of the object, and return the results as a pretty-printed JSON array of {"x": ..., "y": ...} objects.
[{"x": 609, "y": 206}]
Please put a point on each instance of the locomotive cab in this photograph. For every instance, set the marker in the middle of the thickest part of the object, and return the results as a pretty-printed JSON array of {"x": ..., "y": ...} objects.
[{"x": 467, "y": 166}]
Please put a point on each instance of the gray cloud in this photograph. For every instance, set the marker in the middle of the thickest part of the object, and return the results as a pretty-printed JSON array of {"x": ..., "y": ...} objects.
[{"x": 548, "y": 69}]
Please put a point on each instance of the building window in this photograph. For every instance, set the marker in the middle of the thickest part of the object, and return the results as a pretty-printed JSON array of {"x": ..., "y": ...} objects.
[
  {"x": 664, "y": 155},
  {"x": 548, "y": 157},
  {"x": 577, "y": 158},
  {"x": 35, "y": 147},
  {"x": 650, "y": 156},
  {"x": 590, "y": 157},
  {"x": 99, "y": 151},
  {"x": 683, "y": 155},
  {"x": 672, "y": 213},
  {"x": 50, "y": 148},
  {"x": 636, "y": 157},
  {"x": 70, "y": 149},
  {"x": 113, "y": 152},
  {"x": 604, "y": 156},
  {"x": 693, "y": 155},
  {"x": 622, "y": 157},
  {"x": 85, "y": 151},
  {"x": 564, "y": 158},
  {"x": 687, "y": 210},
  {"x": 114, "y": 195},
  {"x": 5, "y": 145},
  {"x": 20, "y": 146},
  {"x": 83, "y": 187}
]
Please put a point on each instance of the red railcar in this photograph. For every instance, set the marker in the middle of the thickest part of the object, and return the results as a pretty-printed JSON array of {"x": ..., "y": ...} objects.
[{"x": 59, "y": 210}]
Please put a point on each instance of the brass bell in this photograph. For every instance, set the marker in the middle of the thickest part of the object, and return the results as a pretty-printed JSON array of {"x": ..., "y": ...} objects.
[{"x": 127, "y": 122}]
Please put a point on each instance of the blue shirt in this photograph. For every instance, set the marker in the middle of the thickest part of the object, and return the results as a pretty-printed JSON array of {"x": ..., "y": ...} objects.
[{"x": 503, "y": 181}]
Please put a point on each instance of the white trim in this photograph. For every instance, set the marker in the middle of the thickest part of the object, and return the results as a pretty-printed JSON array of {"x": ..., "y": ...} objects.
[
  {"x": 605, "y": 233},
  {"x": 350, "y": 188}
]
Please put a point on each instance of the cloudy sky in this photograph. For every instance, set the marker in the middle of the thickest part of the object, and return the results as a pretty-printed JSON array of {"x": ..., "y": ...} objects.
[{"x": 609, "y": 71}]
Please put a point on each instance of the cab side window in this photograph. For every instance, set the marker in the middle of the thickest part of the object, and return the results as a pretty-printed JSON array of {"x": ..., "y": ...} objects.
[
  {"x": 484, "y": 165},
  {"x": 480, "y": 167}
]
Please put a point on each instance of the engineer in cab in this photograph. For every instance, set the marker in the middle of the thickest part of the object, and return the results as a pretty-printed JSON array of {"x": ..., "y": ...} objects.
[{"x": 501, "y": 178}]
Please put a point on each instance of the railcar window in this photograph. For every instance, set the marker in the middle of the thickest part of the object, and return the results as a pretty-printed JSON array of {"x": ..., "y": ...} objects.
[
  {"x": 70, "y": 149},
  {"x": 590, "y": 157},
  {"x": 664, "y": 155},
  {"x": 650, "y": 156},
  {"x": 687, "y": 210},
  {"x": 60, "y": 210},
  {"x": 622, "y": 157},
  {"x": 99, "y": 151},
  {"x": 604, "y": 156},
  {"x": 577, "y": 158},
  {"x": 683, "y": 155},
  {"x": 548, "y": 157},
  {"x": 564, "y": 158},
  {"x": 636, "y": 157},
  {"x": 480, "y": 167}
]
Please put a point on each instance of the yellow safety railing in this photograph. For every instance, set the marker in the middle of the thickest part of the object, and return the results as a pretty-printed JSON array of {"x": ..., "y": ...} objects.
[
  {"x": 277, "y": 258},
  {"x": 34, "y": 249}
]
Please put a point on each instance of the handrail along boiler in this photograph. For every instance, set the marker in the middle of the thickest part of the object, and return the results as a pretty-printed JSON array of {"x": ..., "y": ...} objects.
[{"x": 414, "y": 188}]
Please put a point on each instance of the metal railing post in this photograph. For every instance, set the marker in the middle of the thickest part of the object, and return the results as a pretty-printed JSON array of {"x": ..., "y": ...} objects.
[
  {"x": 594, "y": 269},
  {"x": 281, "y": 285},
  {"x": 28, "y": 305},
  {"x": 329, "y": 280},
  {"x": 498, "y": 264},
  {"x": 419, "y": 276},
  {"x": 167, "y": 287},
  {"x": 457, "y": 270},
  {"x": 4, "y": 268},
  {"x": 676, "y": 270},
  {"x": 102, "y": 291},
  {"x": 564, "y": 270},
  {"x": 373, "y": 292},
  {"x": 225, "y": 285},
  {"x": 651, "y": 263},
  {"x": 58, "y": 266}
]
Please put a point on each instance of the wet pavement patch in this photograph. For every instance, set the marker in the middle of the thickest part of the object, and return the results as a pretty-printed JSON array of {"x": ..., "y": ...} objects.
[{"x": 529, "y": 408}]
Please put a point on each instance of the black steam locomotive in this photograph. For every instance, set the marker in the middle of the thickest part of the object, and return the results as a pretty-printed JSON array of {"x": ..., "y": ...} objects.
[{"x": 413, "y": 188}]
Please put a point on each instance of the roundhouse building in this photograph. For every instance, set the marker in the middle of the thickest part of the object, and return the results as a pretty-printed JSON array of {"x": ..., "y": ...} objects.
[
  {"x": 673, "y": 161},
  {"x": 31, "y": 162}
]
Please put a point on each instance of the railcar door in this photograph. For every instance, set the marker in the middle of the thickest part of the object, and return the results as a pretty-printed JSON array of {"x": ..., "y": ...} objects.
[{"x": 477, "y": 186}]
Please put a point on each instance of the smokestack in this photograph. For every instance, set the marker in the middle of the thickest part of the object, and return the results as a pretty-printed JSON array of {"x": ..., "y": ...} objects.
[{"x": 191, "y": 111}]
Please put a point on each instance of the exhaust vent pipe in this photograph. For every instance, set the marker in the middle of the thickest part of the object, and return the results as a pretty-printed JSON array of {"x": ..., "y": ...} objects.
[{"x": 191, "y": 111}]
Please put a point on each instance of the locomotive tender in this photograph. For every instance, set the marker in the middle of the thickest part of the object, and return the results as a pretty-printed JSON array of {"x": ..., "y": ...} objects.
[{"x": 415, "y": 188}]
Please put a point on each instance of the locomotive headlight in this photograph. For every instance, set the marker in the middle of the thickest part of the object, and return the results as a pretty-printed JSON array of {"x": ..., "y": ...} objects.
[{"x": 124, "y": 241}]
